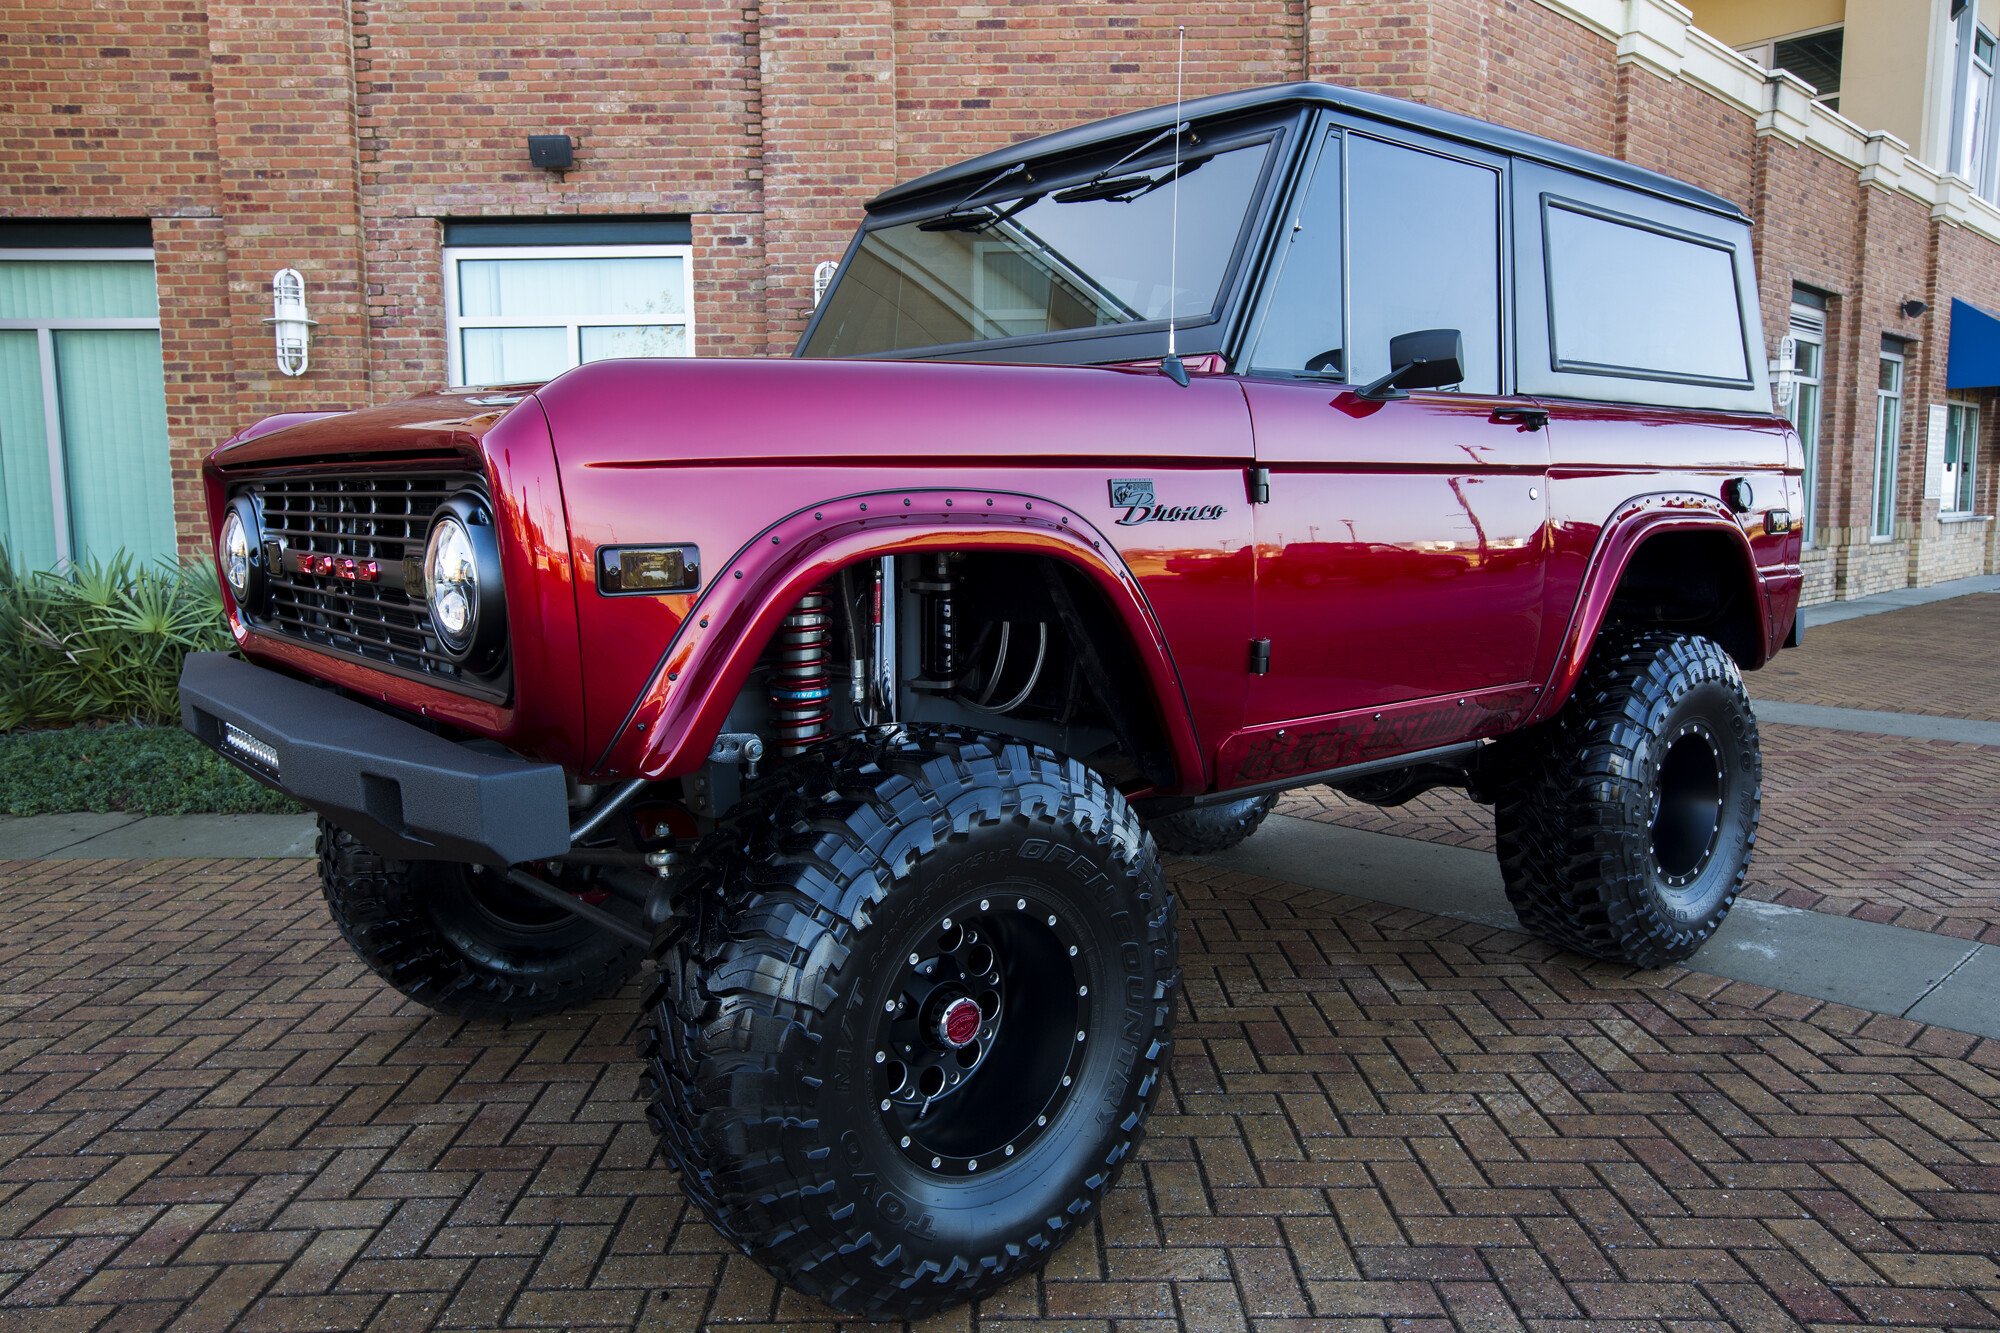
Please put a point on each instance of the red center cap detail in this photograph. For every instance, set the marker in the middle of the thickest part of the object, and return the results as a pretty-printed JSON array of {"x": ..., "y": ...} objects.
[{"x": 960, "y": 1023}]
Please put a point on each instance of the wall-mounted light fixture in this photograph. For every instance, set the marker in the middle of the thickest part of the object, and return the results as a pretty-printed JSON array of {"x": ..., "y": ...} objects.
[
  {"x": 551, "y": 152},
  {"x": 1913, "y": 308},
  {"x": 823, "y": 273},
  {"x": 290, "y": 326}
]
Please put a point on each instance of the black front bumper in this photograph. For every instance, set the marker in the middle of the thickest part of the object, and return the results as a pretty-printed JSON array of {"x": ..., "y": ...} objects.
[{"x": 402, "y": 790}]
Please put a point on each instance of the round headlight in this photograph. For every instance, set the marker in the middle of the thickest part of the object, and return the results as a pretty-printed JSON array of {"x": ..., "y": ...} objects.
[
  {"x": 451, "y": 582},
  {"x": 237, "y": 556},
  {"x": 234, "y": 554}
]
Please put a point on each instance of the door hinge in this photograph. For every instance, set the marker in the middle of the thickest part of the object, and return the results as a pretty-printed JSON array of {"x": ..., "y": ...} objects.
[
  {"x": 1260, "y": 657},
  {"x": 1259, "y": 482}
]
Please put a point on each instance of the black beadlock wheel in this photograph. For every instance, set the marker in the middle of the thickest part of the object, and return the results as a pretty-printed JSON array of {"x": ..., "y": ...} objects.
[
  {"x": 909, "y": 1028},
  {"x": 1627, "y": 826},
  {"x": 1212, "y": 828},
  {"x": 460, "y": 939}
]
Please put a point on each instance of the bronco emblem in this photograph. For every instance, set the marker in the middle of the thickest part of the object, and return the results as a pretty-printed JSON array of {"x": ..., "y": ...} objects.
[
  {"x": 1135, "y": 496},
  {"x": 1131, "y": 492}
]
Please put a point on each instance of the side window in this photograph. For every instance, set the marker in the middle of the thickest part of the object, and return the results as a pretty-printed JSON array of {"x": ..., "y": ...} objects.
[
  {"x": 1423, "y": 236},
  {"x": 1301, "y": 331},
  {"x": 1627, "y": 298}
]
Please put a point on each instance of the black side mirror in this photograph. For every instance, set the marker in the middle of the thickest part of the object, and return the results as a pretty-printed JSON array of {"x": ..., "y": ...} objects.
[{"x": 1426, "y": 359}]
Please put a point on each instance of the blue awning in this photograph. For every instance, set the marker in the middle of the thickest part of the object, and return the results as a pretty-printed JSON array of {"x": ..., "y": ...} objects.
[{"x": 1973, "y": 359}]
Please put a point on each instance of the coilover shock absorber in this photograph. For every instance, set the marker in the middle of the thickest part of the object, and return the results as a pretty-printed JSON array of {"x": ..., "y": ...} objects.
[{"x": 801, "y": 657}]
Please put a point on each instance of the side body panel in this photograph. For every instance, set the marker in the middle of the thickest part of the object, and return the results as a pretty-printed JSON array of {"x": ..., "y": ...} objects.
[
  {"x": 1399, "y": 575},
  {"x": 766, "y": 466}
]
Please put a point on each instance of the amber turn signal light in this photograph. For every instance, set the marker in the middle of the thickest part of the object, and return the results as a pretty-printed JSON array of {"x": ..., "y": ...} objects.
[{"x": 625, "y": 570}]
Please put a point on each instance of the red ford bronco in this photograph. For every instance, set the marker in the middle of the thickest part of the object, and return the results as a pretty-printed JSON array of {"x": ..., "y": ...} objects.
[{"x": 860, "y": 691}]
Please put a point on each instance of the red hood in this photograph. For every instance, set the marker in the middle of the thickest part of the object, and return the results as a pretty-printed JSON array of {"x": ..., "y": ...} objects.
[{"x": 451, "y": 421}]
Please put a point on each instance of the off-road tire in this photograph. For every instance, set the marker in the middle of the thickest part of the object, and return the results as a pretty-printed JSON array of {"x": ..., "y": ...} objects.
[
  {"x": 759, "y": 1061},
  {"x": 1210, "y": 828},
  {"x": 419, "y": 927},
  {"x": 1588, "y": 858}
]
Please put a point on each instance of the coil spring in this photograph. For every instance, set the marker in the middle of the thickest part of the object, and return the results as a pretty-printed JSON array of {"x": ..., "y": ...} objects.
[{"x": 801, "y": 658}]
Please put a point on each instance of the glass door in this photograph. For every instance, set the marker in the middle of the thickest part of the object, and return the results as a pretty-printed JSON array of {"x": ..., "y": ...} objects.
[{"x": 1888, "y": 432}]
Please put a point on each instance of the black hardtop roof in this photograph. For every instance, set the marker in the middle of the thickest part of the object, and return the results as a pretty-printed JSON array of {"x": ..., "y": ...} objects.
[{"x": 1395, "y": 110}]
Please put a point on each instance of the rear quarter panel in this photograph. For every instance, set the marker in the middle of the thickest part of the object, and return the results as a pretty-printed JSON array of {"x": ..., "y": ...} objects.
[{"x": 1620, "y": 474}]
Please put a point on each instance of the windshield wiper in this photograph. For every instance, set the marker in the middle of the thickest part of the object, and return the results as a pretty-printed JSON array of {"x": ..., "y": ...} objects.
[
  {"x": 1091, "y": 189},
  {"x": 980, "y": 216},
  {"x": 1124, "y": 189}
]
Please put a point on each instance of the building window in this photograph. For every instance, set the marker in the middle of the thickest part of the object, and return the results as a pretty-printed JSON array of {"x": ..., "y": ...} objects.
[
  {"x": 84, "y": 471},
  {"x": 1961, "y": 458},
  {"x": 1808, "y": 386},
  {"x": 1813, "y": 56},
  {"x": 1972, "y": 106},
  {"x": 1888, "y": 432},
  {"x": 519, "y": 313}
]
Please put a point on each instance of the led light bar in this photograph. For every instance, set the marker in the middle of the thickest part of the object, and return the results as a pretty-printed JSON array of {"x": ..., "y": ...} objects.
[{"x": 248, "y": 748}]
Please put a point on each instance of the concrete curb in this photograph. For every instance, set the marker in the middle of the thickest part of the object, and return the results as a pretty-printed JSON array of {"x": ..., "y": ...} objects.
[
  {"x": 1910, "y": 726},
  {"x": 1909, "y": 973},
  {"x": 1832, "y": 613},
  {"x": 155, "y": 837}
]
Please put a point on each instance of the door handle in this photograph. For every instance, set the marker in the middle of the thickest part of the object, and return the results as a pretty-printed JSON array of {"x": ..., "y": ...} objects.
[{"x": 1527, "y": 418}]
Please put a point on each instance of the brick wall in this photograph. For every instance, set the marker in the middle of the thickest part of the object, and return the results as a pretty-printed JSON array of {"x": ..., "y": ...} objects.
[{"x": 336, "y": 136}]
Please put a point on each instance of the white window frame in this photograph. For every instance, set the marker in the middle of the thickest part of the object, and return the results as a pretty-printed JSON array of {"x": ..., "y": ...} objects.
[
  {"x": 45, "y": 331},
  {"x": 456, "y": 323},
  {"x": 1809, "y": 328},
  {"x": 1765, "y": 53},
  {"x": 998, "y": 318},
  {"x": 1888, "y": 449},
  {"x": 1967, "y": 472},
  {"x": 1981, "y": 169}
]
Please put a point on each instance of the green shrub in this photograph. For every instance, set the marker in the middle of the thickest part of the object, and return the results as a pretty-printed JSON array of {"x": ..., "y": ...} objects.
[
  {"x": 102, "y": 642},
  {"x": 138, "y": 770}
]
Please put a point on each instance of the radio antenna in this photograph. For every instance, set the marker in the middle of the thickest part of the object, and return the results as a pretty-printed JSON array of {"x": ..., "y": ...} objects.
[{"x": 1170, "y": 365}]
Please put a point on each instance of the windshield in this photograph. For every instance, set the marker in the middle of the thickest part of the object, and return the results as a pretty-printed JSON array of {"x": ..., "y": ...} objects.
[{"x": 1089, "y": 255}]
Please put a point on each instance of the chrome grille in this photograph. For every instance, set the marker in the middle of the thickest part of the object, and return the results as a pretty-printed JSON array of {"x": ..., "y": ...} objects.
[{"x": 374, "y": 523}]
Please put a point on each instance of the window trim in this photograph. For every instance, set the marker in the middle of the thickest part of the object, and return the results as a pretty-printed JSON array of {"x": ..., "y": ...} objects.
[
  {"x": 45, "y": 331},
  {"x": 1890, "y": 443},
  {"x": 1765, "y": 53},
  {"x": 1502, "y": 167},
  {"x": 1323, "y": 140},
  {"x": 455, "y": 323},
  {"x": 1333, "y": 134},
  {"x": 1809, "y": 325},
  {"x": 1562, "y": 365},
  {"x": 1106, "y": 344},
  {"x": 1984, "y": 175},
  {"x": 1968, "y": 453}
]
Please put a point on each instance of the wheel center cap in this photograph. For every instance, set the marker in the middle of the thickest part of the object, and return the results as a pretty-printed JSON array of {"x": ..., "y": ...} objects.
[{"x": 959, "y": 1023}]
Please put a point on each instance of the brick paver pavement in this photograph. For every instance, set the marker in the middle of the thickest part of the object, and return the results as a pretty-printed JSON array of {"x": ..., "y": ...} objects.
[
  {"x": 1936, "y": 659},
  {"x": 212, "y": 1117},
  {"x": 1878, "y": 827}
]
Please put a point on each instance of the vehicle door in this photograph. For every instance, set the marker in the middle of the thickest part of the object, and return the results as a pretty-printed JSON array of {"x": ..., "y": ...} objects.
[{"x": 1401, "y": 549}]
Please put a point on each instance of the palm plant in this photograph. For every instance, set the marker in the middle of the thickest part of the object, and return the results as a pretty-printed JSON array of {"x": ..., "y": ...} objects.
[{"x": 101, "y": 641}]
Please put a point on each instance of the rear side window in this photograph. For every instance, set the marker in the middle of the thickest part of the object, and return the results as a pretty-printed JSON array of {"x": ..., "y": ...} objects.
[
  {"x": 1423, "y": 253},
  {"x": 1636, "y": 299}
]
